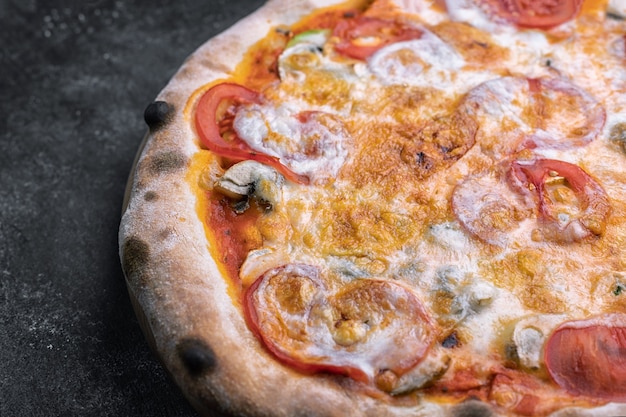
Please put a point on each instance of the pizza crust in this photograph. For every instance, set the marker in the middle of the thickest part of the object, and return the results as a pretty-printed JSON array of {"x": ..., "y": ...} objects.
[
  {"x": 177, "y": 290},
  {"x": 179, "y": 294}
]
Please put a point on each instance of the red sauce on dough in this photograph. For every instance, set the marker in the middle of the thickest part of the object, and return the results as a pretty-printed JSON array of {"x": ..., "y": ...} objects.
[{"x": 235, "y": 233}]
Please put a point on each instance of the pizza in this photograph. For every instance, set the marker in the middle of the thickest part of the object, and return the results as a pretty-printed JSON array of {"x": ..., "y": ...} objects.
[{"x": 390, "y": 208}]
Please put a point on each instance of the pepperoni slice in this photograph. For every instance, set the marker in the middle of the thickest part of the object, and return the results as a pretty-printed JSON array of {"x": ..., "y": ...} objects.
[
  {"x": 572, "y": 205},
  {"x": 370, "y": 330},
  {"x": 588, "y": 357},
  {"x": 515, "y": 113}
]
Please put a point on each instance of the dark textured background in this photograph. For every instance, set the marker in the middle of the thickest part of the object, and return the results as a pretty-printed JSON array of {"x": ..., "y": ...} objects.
[{"x": 75, "y": 77}]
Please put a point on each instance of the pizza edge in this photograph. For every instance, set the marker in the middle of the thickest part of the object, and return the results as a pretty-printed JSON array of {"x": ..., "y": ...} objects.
[{"x": 179, "y": 294}]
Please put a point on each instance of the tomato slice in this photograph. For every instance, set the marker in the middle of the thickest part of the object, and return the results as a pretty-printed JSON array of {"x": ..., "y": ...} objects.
[
  {"x": 368, "y": 328},
  {"x": 569, "y": 219},
  {"x": 362, "y": 36},
  {"x": 537, "y": 14},
  {"x": 211, "y": 127},
  {"x": 486, "y": 207},
  {"x": 563, "y": 111},
  {"x": 277, "y": 306},
  {"x": 588, "y": 357},
  {"x": 526, "y": 395},
  {"x": 542, "y": 113},
  {"x": 571, "y": 204}
]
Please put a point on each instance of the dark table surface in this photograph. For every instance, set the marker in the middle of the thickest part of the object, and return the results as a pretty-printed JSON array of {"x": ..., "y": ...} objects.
[{"x": 75, "y": 77}]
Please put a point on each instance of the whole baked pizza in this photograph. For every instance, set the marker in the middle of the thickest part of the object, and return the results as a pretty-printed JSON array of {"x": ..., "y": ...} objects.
[{"x": 390, "y": 208}]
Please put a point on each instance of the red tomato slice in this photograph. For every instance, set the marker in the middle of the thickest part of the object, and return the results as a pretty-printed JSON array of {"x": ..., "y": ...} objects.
[
  {"x": 593, "y": 203},
  {"x": 486, "y": 207},
  {"x": 367, "y": 328},
  {"x": 527, "y": 395},
  {"x": 544, "y": 113},
  {"x": 362, "y": 36},
  {"x": 566, "y": 114},
  {"x": 588, "y": 357},
  {"x": 277, "y": 306},
  {"x": 538, "y": 14},
  {"x": 211, "y": 127}
]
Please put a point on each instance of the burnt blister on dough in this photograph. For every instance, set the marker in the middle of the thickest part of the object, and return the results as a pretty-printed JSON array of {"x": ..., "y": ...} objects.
[
  {"x": 150, "y": 196},
  {"x": 158, "y": 114},
  {"x": 167, "y": 162},
  {"x": 135, "y": 254},
  {"x": 197, "y": 357},
  {"x": 472, "y": 408}
]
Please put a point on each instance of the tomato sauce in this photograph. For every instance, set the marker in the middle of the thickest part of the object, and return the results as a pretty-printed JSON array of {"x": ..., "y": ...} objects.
[{"x": 235, "y": 233}]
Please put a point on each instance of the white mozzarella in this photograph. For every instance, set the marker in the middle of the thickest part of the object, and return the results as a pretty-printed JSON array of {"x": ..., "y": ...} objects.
[
  {"x": 307, "y": 145},
  {"x": 479, "y": 307},
  {"x": 469, "y": 12},
  {"x": 426, "y": 9},
  {"x": 426, "y": 62},
  {"x": 473, "y": 298},
  {"x": 449, "y": 235}
]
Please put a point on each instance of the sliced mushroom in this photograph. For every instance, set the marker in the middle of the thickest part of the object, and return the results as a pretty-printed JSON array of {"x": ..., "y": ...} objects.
[
  {"x": 430, "y": 369},
  {"x": 251, "y": 179},
  {"x": 530, "y": 335},
  {"x": 617, "y": 8}
]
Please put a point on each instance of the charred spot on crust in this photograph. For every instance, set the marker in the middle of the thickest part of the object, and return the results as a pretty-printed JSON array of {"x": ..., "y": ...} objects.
[
  {"x": 165, "y": 233},
  {"x": 157, "y": 114},
  {"x": 167, "y": 162},
  {"x": 136, "y": 254},
  {"x": 472, "y": 408},
  {"x": 197, "y": 357},
  {"x": 150, "y": 196}
]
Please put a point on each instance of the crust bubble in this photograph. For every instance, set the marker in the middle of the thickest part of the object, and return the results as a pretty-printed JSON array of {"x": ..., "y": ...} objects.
[
  {"x": 157, "y": 114},
  {"x": 168, "y": 161},
  {"x": 472, "y": 408},
  {"x": 135, "y": 254},
  {"x": 197, "y": 357}
]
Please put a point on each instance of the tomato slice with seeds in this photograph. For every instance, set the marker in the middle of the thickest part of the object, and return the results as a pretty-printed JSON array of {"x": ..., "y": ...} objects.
[
  {"x": 536, "y": 14},
  {"x": 563, "y": 111},
  {"x": 588, "y": 357},
  {"x": 584, "y": 215},
  {"x": 214, "y": 117},
  {"x": 571, "y": 205},
  {"x": 361, "y": 37},
  {"x": 277, "y": 306},
  {"x": 540, "y": 113},
  {"x": 366, "y": 329},
  {"x": 486, "y": 207}
]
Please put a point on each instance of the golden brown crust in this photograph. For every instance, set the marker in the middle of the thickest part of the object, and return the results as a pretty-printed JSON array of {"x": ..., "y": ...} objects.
[{"x": 183, "y": 302}]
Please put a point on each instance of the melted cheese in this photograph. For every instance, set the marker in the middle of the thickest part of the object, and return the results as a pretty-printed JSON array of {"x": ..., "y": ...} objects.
[{"x": 369, "y": 216}]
